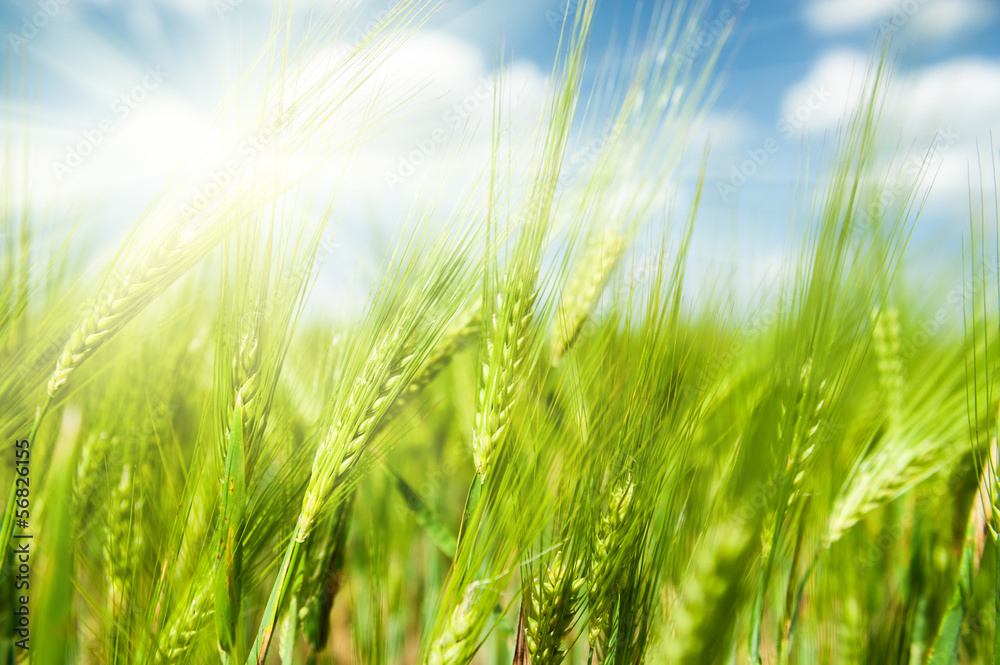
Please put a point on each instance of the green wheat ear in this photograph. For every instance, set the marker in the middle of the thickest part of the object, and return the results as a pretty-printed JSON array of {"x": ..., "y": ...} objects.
[
  {"x": 886, "y": 340},
  {"x": 325, "y": 558},
  {"x": 457, "y": 642},
  {"x": 142, "y": 282},
  {"x": 703, "y": 622},
  {"x": 466, "y": 331},
  {"x": 122, "y": 542},
  {"x": 606, "y": 560},
  {"x": 583, "y": 289},
  {"x": 505, "y": 349},
  {"x": 551, "y": 605},
  {"x": 92, "y": 467}
]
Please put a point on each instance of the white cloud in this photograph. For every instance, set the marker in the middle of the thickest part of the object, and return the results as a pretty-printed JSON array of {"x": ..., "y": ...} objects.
[
  {"x": 444, "y": 86},
  {"x": 961, "y": 92},
  {"x": 831, "y": 89},
  {"x": 957, "y": 99},
  {"x": 925, "y": 19},
  {"x": 841, "y": 15},
  {"x": 451, "y": 114},
  {"x": 945, "y": 18},
  {"x": 120, "y": 155}
]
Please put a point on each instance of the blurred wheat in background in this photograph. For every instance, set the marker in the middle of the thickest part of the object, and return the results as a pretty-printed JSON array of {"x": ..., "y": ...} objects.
[{"x": 543, "y": 437}]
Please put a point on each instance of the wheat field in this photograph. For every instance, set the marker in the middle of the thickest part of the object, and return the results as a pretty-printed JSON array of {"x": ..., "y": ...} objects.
[{"x": 542, "y": 439}]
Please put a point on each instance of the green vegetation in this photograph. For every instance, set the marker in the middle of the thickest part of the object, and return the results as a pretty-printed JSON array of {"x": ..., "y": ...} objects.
[{"x": 525, "y": 449}]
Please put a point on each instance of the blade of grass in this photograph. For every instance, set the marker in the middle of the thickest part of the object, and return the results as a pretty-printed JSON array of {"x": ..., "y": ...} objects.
[
  {"x": 439, "y": 533},
  {"x": 229, "y": 548}
]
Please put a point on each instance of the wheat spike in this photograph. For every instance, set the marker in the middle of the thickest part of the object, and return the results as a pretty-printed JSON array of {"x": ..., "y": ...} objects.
[
  {"x": 704, "y": 619},
  {"x": 323, "y": 575},
  {"x": 337, "y": 456},
  {"x": 140, "y": 284},
  {"x": 456, "y": 644},
  {"x": 123, "y": 538},
  {"x": 506, "y": 344},
  {"x": 246, "y": 366},
  {"x": 890, "y": 365},
  {"x": 879, "y": 479},
  {"x": 89, "y": 471},
  {"x": 184, "y": 632},
  {"x": 608, "y": 545},
  {"x": 442, "y": 354},
  {"x": 584, "y": 287},
  {"x": 245, "y": 382},
  {"x": 552, "y": 602},
  {"x": 374, "y": 410}
]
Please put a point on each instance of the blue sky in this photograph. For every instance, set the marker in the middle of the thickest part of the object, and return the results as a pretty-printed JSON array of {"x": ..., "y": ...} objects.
[{"x": 84, "y": 55}]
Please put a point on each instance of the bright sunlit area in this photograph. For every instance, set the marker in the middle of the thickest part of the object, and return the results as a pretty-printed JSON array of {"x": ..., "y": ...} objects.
[{"x": 500, "y": 332}]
